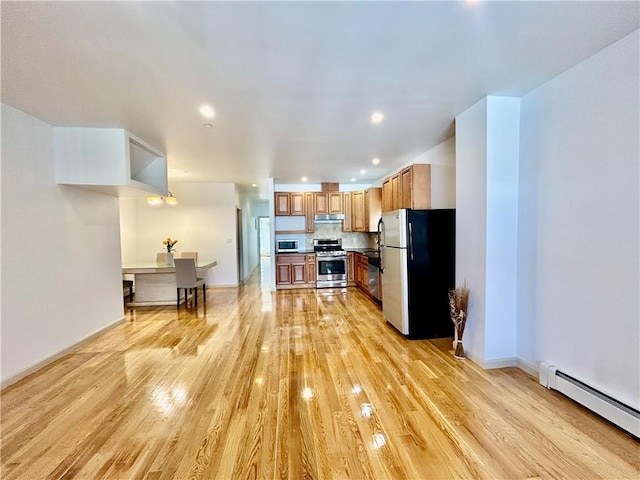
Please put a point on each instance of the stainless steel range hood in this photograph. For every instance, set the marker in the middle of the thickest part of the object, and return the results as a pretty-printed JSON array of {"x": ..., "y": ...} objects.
[{"x": 329, "y": 218}]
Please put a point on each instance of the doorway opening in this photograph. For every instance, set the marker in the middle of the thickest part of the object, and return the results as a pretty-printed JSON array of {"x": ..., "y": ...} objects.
[
  {"x": 264, "y": 236},
  {"x": 239, "y": 246}
]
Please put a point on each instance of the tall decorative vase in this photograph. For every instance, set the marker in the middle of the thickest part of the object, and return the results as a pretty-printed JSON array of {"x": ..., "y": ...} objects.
[{"x": 169, "y": 258}]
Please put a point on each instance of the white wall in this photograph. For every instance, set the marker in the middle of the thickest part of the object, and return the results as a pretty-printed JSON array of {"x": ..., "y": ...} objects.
[
  {"x": 471, "y": 227},
  {"x": 251, "y": 208},
  {"x": 503, "y": 134},
  {"x": 204, "y": 220},
  {"x": 61, "y": 267},
  {"x": 487, "y": 144},
  {"x": 578, "y": 273}
]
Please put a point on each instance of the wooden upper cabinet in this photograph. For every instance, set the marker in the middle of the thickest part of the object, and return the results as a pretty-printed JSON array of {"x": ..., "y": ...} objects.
[
  {"x": 282, "y": 201},
  {"x": 309, "y": 213},
  {"x": 327, "y": 202},
  {"x": 366, "y": 208},
  {"x": 357, "y": 211},
  {"x": 373, "y": 208},
  {"x": 416, "y": 186},
  {"x": 395, "y": 192},
  {"x": 406, "y": 188},
  {"x": 346, "y": 204},
  {"x": 387, "y": 202},
  {"x": 296, "y": 204},
  {"x": 289, "y": 203},
  {"x": 409, "y": 188},
  {"x": 321, "y": 202},
  {"x": 335, "y": 202}
]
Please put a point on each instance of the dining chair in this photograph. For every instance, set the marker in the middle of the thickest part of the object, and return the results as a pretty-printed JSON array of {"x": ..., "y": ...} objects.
[
  {"x": 193, "y": 255},
  {"x": 127, "y": 289},
  {"x": 187, "y": 277},
  {"x": 161, "y": 258}
]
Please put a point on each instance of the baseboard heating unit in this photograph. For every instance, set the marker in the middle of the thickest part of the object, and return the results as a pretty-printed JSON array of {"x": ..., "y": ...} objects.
[{"x": 622, "y": 415}]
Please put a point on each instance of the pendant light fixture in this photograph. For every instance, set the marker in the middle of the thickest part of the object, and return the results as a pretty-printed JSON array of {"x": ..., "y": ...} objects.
[{"x": 169, "y": 200}]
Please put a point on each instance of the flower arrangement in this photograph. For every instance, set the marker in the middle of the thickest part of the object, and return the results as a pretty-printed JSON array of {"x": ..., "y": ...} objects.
[
  {"x": 169, "y": 244},
  {"x": 458, "y": 304}
]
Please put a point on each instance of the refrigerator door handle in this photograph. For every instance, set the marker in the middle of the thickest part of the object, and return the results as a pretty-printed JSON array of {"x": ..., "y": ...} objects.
[{"x": 410, "y": 241}]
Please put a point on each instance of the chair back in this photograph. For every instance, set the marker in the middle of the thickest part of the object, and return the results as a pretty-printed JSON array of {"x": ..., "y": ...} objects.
[
  {"x": 161, "y": 257},
  {"x": 193, "y": 255},
  {"x": 185, "y": 272}
]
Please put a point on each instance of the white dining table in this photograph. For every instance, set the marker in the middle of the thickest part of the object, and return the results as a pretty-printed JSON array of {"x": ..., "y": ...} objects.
[{"x": 155, "y": 283}]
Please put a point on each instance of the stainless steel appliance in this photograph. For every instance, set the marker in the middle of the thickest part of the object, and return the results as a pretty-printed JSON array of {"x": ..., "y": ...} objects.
[
  {"x": 418, "y": 256},
  {"x": 331, "y": 263},
  {"x": 374, "y": 280},
  {"x": 283, "y": 246}
]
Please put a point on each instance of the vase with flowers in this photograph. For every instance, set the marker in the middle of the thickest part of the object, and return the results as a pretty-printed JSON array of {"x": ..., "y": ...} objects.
[
  {"x": 459, "y": 304},
  {"x": 170, "y": 246}
]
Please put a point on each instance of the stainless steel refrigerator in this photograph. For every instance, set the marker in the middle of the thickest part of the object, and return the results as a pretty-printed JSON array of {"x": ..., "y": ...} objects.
[{"x": 418, "y": 269}]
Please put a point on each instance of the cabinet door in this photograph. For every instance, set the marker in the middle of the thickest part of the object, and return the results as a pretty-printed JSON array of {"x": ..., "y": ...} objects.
[
  {"x": 351, "y": 274},
  {"x": 321, "y": 202},
  {"x": 346, "y": 204},
  {"x": 406, "y": 188},
  {"x": 387, "y": 203},
  {"x": 309, "y": 213},
  {"x": 282, "y": 203},
  {"x": 335, "y": 202},
  {"x": 395, "y": 192},
  {"x": 357, "y": 211},
  {"x": 296, "y": 204},
  {"x": 298, "y": 273},
  {"x": 373, "y": 208},
  {"x": 311, "y": 272},
  {"x": 283, "y": 274}
]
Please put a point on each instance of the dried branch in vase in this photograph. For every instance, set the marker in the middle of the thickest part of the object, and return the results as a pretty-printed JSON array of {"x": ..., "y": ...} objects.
[{"x": 458, "y": 304}]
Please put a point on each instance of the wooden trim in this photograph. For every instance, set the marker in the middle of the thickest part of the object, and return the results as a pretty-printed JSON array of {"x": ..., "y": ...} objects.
[
  {"x": 278, "y": 232},
  {"x": 16, "y": 377}
]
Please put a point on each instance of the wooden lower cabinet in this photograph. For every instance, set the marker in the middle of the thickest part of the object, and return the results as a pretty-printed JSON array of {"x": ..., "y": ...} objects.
[
  {"x": 311, "y": 269},
  {"x": 351, "y": 269},
  {"x": 362, "y": 272},
  {"x": 295, "y": 270}
]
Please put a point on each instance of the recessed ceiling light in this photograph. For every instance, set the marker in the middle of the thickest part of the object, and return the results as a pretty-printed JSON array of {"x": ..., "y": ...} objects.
[
  {"x": 375, "y": 161},
  {"x": 207, "y": 112},
  {"x": 377, "y": 117},
  {"x": 254, "y": 185},
  {"x": 363, "y": 171},
  {"x": 353, "y": 179},
  {"x": 304, "y": 179},
  {"x": 207, "y": 125}
]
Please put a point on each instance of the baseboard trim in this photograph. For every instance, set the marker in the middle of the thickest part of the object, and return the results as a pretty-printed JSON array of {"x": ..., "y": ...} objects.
[
  {"x": 527, "y": 367},
  {"x": 16, "y": 377},
  {"x": 506, "y": 362},
  {"x": 223, "y": 285}
]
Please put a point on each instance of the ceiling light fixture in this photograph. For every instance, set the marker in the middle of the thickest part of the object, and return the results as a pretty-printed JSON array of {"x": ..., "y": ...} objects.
[
  {"x": 377, "y": 117},
  {"x": 353, "y": 179},
  {"x": 207, "y": 125},
  {"x": 207, "y": 112},
  {"x": 169, "y": 200},
  {"x": 375, "y": 161},
  {"x": 304, "y": 179},
  {"x": 254, "y": 185},
  {"x": 363, "y": 171}
]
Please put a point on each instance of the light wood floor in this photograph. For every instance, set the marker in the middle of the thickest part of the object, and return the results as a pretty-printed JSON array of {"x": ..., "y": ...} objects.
[{"x": 294, "y": 384}]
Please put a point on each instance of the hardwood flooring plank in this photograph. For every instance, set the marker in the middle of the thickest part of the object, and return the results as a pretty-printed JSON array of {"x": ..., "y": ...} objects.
[{"x": 290, "y": 385}]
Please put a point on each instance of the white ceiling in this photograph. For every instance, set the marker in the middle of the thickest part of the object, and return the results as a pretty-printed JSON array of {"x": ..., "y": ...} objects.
[{"x": 293, "y": 84}]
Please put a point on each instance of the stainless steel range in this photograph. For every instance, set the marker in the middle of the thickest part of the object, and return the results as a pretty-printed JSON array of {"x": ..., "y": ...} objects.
[{"x": 331, "y": 263}]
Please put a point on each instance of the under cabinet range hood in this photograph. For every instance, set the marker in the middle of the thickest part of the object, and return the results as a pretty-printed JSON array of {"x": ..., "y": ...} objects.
[{"x": 329, "y": 218}]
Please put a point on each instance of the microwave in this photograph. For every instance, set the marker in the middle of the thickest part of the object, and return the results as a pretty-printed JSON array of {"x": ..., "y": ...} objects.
[{"x": 286, "y": 246}]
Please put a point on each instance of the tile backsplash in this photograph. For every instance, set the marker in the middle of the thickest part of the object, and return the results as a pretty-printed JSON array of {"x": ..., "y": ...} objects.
[{"x": 334, "y": 230}]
